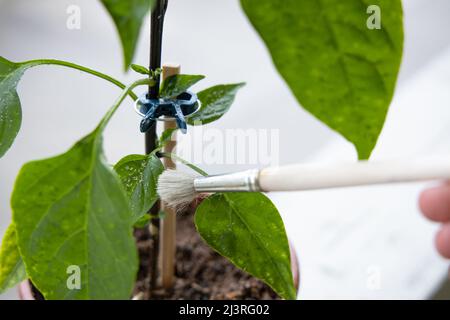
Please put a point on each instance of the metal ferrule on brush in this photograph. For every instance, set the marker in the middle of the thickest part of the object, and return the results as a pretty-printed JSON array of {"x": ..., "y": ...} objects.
[{"x": 234, "y": 182}]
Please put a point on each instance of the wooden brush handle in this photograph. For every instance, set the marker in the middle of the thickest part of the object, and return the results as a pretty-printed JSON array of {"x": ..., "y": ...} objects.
[{"x": 309, "y": 177}]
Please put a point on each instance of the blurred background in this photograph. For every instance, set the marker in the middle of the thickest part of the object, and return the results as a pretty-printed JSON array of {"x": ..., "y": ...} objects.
[{"x": 368, "y": 243}]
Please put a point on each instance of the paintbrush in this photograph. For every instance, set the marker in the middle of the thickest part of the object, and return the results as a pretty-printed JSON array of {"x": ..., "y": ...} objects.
[{"x": 178, "y": 189}]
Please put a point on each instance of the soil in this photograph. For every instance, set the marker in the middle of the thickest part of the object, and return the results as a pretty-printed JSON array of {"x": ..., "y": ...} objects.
[{"x": 201, "y": 273}]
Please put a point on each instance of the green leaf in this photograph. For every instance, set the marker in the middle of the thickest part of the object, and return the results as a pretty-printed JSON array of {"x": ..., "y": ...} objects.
[
  {"x": 140, "y": 69},
  {"x": 215, "y": 103},
  {"x": 12, "y": 269},
  {"x": 72, "y": 210},
  {"x": 177, "y": 84},
  {"x": 10, "y": 109},
  {"x": 340, "y": 70},
  {"x": 139, "y": 175},
  {"x": 143, "y": 221},
  {"x": 247, "y": 229},
  {"x": 128, "y": 17}
]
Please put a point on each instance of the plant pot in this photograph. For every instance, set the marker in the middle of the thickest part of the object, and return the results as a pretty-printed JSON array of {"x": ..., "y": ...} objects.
[{"x": 201, "y": 272}]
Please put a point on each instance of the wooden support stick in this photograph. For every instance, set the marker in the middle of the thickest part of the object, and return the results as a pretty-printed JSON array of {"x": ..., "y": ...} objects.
[{"x": 168, "y": 224}]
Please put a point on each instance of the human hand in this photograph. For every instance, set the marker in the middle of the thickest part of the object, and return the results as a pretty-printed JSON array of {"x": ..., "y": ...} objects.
[{"x": 435, "y": 205}]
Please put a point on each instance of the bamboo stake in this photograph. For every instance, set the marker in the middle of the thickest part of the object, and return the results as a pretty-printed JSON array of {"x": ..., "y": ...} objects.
[{"x": 168, "y": 224}]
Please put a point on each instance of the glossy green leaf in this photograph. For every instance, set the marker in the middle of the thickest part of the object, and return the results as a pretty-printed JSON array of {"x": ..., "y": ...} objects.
[
  {"x": 247, "y": 229},
  {"x": 340, "y": 70},
  {"x": 128, "y": 17},
  {"x": 71, "y": 211},
  {"x": 12, "y": 269},
  {"x": 139, "y": 175},
  {"x": 177, "y": 84},
  {"x": 10, "y": 109},
  {"x": 215, "y": 102}
]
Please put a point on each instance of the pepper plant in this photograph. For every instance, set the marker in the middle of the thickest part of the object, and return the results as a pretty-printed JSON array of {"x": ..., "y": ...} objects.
[{"x": 76, "y": 209}]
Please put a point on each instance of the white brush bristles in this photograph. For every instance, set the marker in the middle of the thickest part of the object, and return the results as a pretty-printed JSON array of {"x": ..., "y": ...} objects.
[{"x": 176, "y": 188}]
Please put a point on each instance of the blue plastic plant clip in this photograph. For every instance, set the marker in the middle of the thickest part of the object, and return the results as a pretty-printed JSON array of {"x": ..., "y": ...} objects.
[{"x": 178, "y": 109}]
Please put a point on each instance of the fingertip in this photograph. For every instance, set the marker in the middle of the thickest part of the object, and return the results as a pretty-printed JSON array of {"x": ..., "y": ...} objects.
[
  {"x": 443, "y": 241},
  {"x": 435, "y": 203},
  {"x": 424, "y": 201}
]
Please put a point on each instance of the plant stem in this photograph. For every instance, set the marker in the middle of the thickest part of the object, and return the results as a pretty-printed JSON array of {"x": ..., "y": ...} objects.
[
  {"x": 119, "y": 101},
  {"x": 83, "y": 69},
  {"x": 185, "y": 162}
]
